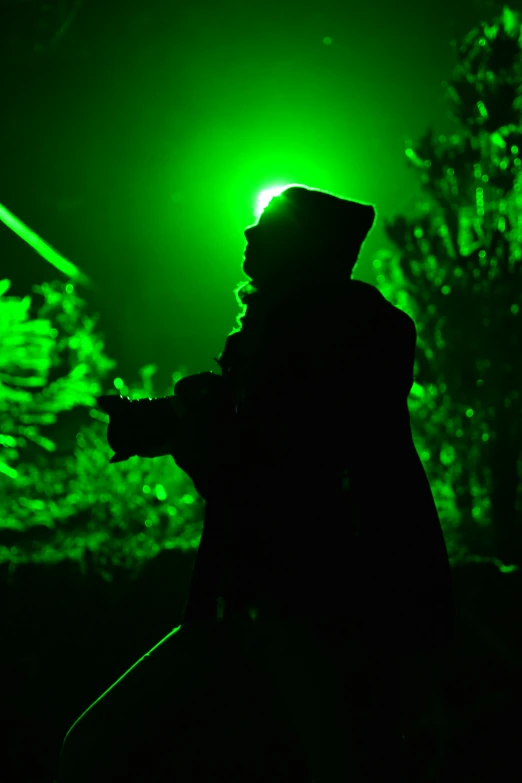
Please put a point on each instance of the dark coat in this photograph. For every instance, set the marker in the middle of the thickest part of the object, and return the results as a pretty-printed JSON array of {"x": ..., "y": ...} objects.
[
  {"x": 318, "y": 508},
  {"x": 329, "y": 512}
]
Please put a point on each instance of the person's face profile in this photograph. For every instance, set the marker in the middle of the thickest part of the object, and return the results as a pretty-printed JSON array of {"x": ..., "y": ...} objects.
[{"x": 271, "y": 243}]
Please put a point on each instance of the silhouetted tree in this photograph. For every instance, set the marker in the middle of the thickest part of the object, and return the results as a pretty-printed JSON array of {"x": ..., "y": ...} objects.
[{"x": 457, "y": 271}]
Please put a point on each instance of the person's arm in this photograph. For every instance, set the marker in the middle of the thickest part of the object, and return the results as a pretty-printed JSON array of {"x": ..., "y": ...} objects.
[{"x": 206, "y": 441}]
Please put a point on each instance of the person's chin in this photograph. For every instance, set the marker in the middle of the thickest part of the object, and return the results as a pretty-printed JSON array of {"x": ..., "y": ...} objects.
[{"x": 249, "y": 267}]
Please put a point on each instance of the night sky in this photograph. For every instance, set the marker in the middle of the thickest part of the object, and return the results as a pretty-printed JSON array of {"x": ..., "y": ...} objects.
[{"x": 136, "y": 144}]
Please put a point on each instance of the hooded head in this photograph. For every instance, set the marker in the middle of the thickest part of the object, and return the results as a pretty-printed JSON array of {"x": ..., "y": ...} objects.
[{"x": 305, "y": 234}]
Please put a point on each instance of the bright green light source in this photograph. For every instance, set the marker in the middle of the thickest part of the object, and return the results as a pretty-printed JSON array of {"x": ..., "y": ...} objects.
[
  {"x": 41, "y": 247},
  {"x": 161, "y": 492},
  {"x": 8, "y": 471},
  {"x": 266, "y": 196}
]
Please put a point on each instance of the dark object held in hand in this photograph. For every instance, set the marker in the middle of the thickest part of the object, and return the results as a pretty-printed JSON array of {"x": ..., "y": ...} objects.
[{"x": 167, "y": 425}]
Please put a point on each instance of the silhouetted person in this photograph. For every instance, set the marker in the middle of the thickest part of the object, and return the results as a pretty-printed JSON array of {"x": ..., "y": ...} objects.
[{"x": 320, "y": 600}]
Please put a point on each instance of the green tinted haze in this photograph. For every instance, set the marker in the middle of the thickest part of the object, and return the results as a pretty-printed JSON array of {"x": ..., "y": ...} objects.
[{"x": 138, "y": 144}]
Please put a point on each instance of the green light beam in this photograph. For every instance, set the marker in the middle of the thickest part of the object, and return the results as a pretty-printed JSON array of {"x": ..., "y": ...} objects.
[{"x": 41, "y": 247}]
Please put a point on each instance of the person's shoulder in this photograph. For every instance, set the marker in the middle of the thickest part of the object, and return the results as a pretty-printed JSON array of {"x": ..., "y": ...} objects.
[{"x": 366, "y": 301}]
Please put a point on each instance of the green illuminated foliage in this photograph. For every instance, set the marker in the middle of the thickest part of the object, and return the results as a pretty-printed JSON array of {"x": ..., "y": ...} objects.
[
  {"x": 456, "y": 270},
  {"x": 59, "y": 497}
]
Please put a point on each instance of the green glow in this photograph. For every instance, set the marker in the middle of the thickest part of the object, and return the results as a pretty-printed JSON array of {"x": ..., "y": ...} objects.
[
  {"x": 41, "y": 247},
  {"x": 266, "y": 196},
  {"x": 161, "y": 493},
  {"x": 7, "y": 471},
  {"x": 442, "y": 284}
]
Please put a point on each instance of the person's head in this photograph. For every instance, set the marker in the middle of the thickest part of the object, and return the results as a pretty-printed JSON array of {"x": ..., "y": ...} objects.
[{"x": 305, "y": 233}]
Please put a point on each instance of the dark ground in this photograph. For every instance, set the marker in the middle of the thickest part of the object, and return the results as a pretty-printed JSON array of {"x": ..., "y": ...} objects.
[{"x": 67, "y": 637}]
